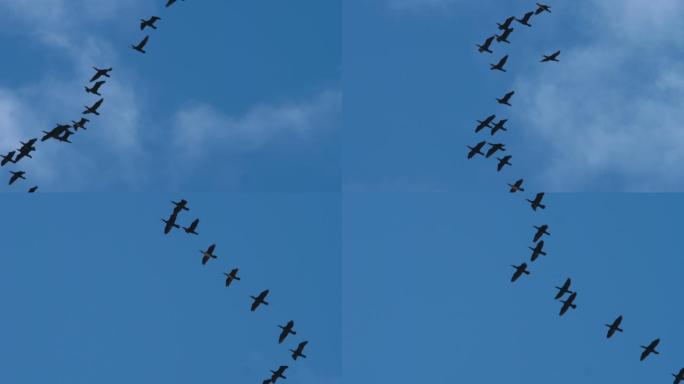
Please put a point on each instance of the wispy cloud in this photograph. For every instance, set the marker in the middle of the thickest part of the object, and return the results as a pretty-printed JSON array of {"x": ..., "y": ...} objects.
[{"x": 612, "y": 109}]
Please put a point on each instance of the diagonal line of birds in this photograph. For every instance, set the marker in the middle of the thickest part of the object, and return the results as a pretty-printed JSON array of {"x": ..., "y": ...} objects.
[
  {"x": 257, "y": 301},
  {"x": 62, "y": 132},
  {"x": 568, "y": 303}
]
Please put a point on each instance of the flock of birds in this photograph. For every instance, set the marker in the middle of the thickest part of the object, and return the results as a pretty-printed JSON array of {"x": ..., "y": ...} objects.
[
  {"x": 149, "y": 23},
  {"x": 536, "y": 203},
  {"x": 257, "y": 301}
]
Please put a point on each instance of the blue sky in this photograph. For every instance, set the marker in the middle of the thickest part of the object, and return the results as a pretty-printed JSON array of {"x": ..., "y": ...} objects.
[
  {"x": 94, "y": 291},
  {"x": 606, "y": 118},
  {"x": 235, "y": 96},
  {"x": 428, "y": 297}
]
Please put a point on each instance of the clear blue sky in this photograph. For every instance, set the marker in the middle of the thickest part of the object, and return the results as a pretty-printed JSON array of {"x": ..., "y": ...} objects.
[
  {"x": 428, "y": 297},
  {"x": 93, "y": 291},
  {"x": 240, "y": 96}
]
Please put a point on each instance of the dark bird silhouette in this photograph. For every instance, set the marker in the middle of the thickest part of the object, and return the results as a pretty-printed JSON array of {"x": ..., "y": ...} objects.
[
  {"x": 503, "y": 161},
  {"x": 500, "y": 65},
  {"x": 499, "y": 126},
  {"x": 537, "y": 250},
  {"x": 16, "y": 176},
  {"x": 25, "y": 150},
  {"x": 542, "y": 8},
  {"x": 477, "y": 149},
  {"x": 7, "y": 158},
  {"x": 79, "y": 124},
  {"x": 170, "y": 3},
  {"x": 526, "y": 19},
  {"x": 64, "y": 137},
  {"x": 485, "y": 46},
  {"x": 679, "y": 377},
  {"x": 33, "y": 189},
  {"x": 541, "y": 231},
  {"x": 536, "y": 203},
  {"x": 231, "y": 276},
  {"x": 208, "y": 254},
  {"x": 615, "y": 326},
  {"x": 181, "y": 205},
  {"x": 519, "y": 270},
  {"x": 505, "y": 100},
  {"x": 503, "y": 37},
  {"x": 494, "y": 148},
  {"x": 287, "y": 329},
  {"x": 299, "y": 352},
  {"x": 261, "y": 299},
  {"x": 149, "y": 22},
  {"x": 99, "y": 73},
  {"x": 569, "y": 303},
  {"x": 192, "y": 227},
  {"x": 551, "y": 57},
  {"x": 650, "y": 349},
  {"x": 94, "y": 108},
  {"x": 517, "y": 186},
  {"x": 141, "y": 45},
  {"x": 484, "y": 123},
  {"x": 506, "y": 24},
  {"x": 278, "y": 373},
  {"x": 55, "y": 132},
  {"x": 95, "y": 89},
  {"x": 564, "y": 289},
  {"x": 170, "y": 223}
]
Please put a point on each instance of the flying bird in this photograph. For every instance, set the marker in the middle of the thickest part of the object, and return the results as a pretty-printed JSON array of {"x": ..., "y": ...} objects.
[
  {"x": 95, "y": 89},
  {"x": 278, "y": 374},
  {"x": 261, "y": 299},
  {"x": 25, "y": 150},
  {"x": 287, "y": 329},
  {"x": 65, "y": 136},
  {"x": 181, "y": 205},
  {"x": 537, "y": 250},
  {"x": 526, "y": 19},
  {"x": 16, "y": 176},
  {"x": 650, "y": 349},
  {"x": 170, "y": 3},
  {"x": 231, "y": 276},
  {"x": 7, "y": 158},
  {"x": 569, "y": 303},
  {"x": 536, "y": 203},
  {"x": 141, "y": 45},
  {"x": 519, "y": 270},
  {"x": 477, "y": 149},
  {"x": 503, "y": 161},
  {"x": 170, "y": 223},
  {"x": 192, "y": 227},
  {"x": 99, "y": 73},
  {"x": 499, "y": 66},
  {"x": 499, "y": 126},
  {"x": 564, "y": 289},
  {"x": 299, "y": 351},
  {"x": 55, "y": 132},
  {"x": 208, "y": 254},
  {"x": 484, "y": 123},
  {"x": 505, "y": 100},
  {"x": 679, "y": 377},
  {"x": 485, "y": 46},
  {"x": 541, "y": 231},
  {"x": 503, "y": 37},
  {"x": 551, "y": 57},
  {"x": 79, "y": 124},
  {"x": 614, "y": 327},
  {"x": 542, "y": 8},
  {"x": 149, "y": 22},
  {"x": 517, "y": 186},
  {"x": 94, "y": 108},
  {"x": 33, "y": 189},
  {"x": 494, "y": 148},
  {"x": 506, "y": 24}
]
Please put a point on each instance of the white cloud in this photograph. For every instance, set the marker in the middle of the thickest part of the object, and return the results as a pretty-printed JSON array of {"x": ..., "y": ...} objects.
[{"x": 613, "y": 108}]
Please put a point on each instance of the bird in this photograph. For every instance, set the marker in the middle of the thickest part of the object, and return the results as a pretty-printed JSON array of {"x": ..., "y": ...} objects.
[
  {"x": 25, "y": 150},
  {"x": 484, "y": 123},
  {"x": 569, "y": 303},
  {"x": 55, "y": 132},
  {"x": 33, "y": 189},
  {"x": 208, "y": 254},
  {"x": 278, "y": 373},
  {"x": 170, "y": 3},
  {"x": 499, "y": 126},
  {"x": 526, "y": 19},
  {"x": 261, "y": 299},
  {"x": 494, "y": 148},
  {"x": 65, "y": 136},
  {"x": 551, "y": 57},
  {"x": 477, "y": 149},
  {"x": 506, "y": 24},
  {"x": 519, "y": 270},
  {"x": 536, "y": 203},
  {"x": 505, "y": 100},
  {"x": 79, "y": 124},
  {"x": 650, "y": 349},
  {"x": 299, "y": 351},
  {"x": 192, "y": 227},
  {"x": 679, "y": 377},
  {"x": 95, "y": 89},
  {"x": 94, "y": 108},
  {"x": 541, "y": 231},
  {"x": 100, "y": 72},
  {"x": 517, "y": 186},
  {"x": 503, "y": 37},
  {"x": 615, "y": 326},
  {"x": 503, "y": 161},
  {"x": 16, "y": 176},
  {"x": 149, "y": 22},
  {"x": 499, "y": 66},
  {"x": 287, "y": 329},
  {"x": 7, "y": 158},
  {"x": 485, "y": 46},
  {"x": 181, "y": 205},
  {"x": 170, "y": 223},
  {"x": 141, "y": 45},
  {"x": 537, "y": 250},
  {"x": 231, "y": 276},
  {"x": 542, "y": 8},
  {"x": 564, "y": 289}
]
